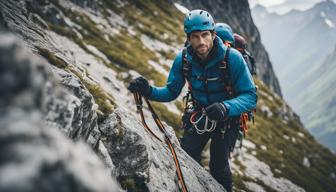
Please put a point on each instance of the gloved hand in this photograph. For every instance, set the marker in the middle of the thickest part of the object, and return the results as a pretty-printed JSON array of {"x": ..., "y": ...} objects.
[
  {"x": 216, "y": 111},
  {"x": 140, "y": 85}
]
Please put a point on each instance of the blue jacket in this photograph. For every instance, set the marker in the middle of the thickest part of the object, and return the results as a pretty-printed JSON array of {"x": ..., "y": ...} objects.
[{"x": 241, "y": 78}]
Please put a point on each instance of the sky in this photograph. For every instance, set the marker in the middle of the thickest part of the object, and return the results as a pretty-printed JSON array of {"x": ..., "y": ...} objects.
[{"x": 283, "y": 6}]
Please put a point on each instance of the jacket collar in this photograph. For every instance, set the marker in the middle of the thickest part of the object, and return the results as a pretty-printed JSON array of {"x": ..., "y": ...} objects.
[{"x": 216, "y": 54}]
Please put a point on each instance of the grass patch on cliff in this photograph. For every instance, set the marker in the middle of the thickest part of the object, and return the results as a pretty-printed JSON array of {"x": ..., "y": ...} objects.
[
  {"x": 103, "y": 99},
  {"x": 180, "y": 105},
  {"x": 171, "y": 118},
  {"x": 130, "y": 54},
  {"x": 159, "y": 20},
  {"x": 52, "y": 59},
  {"x": 133, "y": 184},
  {"x": 122, "y": 49}
]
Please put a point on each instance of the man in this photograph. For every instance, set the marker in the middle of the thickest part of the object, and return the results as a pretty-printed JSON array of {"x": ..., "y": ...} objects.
[
  {"x": 224, "y": 31},
  {"x": 241, "y": 45},
  {"x": 204, "y": 54}
]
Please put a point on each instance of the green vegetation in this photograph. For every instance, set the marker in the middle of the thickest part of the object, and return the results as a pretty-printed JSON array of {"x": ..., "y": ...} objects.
[
  {"x": 287, "y": 155},
  {"x": 52, "y": 59},
  {"x": 132, "y": 184},
  {"x": 128, "y": 51},
  {"x": 179, "y": 105},
  {"x": 61, "y": 30},
  {"x": 155, "y": 18},
  {"x": 171, "y": 118},
  {"x": 123, "y": 49},
  {"x": 103, "y": 99},
  {"x": 130, "y": 54}
]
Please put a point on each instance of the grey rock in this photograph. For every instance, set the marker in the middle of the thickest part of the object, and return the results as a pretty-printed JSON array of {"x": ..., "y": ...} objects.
[
  {"x": 148, "y": 162},
  {"x": 48, "y": 11},
  {"x": 126, "y": 149},
  {"x": 76, "y": 115},
  {"x": 73, "y": 109},
  {"x": 22, "y": 84},
  {"x": 91, "y": 4},
  {"x": 105, "y": 157},
  {"x": 2, "y": 23},
  {"x": 35, "y": 156},
  {"x": 15, "y": 17}
]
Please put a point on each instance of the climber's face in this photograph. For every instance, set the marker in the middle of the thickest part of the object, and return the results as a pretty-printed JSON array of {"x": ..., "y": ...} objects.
[{"x": 202, "y": 42}]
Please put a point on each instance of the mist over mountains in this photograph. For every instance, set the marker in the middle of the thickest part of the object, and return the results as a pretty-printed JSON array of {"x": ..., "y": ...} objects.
[{"x": 300, "y": 45}]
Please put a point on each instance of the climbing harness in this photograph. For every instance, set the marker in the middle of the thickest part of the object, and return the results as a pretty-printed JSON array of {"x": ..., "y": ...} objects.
[
  {"x": 138, "y": 101},
  {"x": 240, "y": 121}
]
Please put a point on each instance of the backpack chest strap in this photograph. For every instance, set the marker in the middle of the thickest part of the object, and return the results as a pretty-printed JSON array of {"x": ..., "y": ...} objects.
[{"x": 223, "y": 66}]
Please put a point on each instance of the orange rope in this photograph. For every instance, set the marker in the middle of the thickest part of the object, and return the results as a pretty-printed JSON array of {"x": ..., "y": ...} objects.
[{"x": 138, "y": 100}]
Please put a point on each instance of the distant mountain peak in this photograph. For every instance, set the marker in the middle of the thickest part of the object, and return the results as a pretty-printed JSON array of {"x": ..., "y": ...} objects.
[
  {"x": 326, "y": 4},
  {"x": 329, "y": 2},
  {"x": 259, "y": 7},
  {"x": 260, "y": 10}
]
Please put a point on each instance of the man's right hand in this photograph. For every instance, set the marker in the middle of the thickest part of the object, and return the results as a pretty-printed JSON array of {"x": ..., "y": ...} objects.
[{"x": 140, "y": 85}]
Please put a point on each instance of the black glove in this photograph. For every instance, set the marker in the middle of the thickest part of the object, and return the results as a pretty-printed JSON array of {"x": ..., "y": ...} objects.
[
  {"x": 140, "y": 85},
  {"x": 216, "y": 111}
]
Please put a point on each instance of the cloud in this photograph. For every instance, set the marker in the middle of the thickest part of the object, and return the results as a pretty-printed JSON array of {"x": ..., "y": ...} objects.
[
  {"x": 283, "y": 6},
  {"x": 265, "y": 3}
]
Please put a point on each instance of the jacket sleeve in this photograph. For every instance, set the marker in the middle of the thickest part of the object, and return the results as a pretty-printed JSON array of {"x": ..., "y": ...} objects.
[
  {"x": 174, "y": 84},
  {"x": 243, "y": 84}
]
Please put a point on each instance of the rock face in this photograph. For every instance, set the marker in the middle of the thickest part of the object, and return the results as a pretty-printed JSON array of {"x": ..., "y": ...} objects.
[
  {"x": 76, "y": 116},
  {"x": 35, "y": 156},
  {"x": 237, "y": 14},
  {"x": 52, "y": 108},
  {"x": 142, "y": 159}
]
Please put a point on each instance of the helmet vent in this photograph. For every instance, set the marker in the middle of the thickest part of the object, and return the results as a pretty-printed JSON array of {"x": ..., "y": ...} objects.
[
  {"x": 206, "y": 23},
  {"x": 201, "y": 12}
]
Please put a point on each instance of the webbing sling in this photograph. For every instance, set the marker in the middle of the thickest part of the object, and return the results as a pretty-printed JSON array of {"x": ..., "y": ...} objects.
[{"x": 138, "y": 101}]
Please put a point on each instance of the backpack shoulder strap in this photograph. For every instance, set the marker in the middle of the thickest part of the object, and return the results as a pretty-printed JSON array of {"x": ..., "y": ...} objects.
[
  {"x": 186, "y": 66},
  {"x": 225, "y": 67},
  {"x": 253, "y": 64}
]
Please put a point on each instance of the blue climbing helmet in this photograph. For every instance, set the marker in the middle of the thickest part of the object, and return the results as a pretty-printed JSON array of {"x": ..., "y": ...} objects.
[
  {"x": 198, "y": 20},
  {"x": 225, "y": 26},
  {"x": 224, "y": 31}
]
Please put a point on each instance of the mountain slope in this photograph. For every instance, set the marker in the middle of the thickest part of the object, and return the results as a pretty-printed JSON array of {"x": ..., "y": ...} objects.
[
  {"x": 318, "y": 102},
  {"x": 297, "y": 40},
  {"x": 307, "y": 38},
  {"x": 102, "y": 46},
  {"x": 279, "y": 140}
]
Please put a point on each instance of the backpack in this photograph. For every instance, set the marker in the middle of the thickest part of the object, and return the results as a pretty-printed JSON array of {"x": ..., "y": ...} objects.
[
  {"x": 239, "y": 122},
  {"x": 249, "y": 61},
  {"x": 241, "y": 45}
]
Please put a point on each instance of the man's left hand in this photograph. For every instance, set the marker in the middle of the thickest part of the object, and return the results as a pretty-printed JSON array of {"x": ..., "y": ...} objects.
[{"x": 216, "y": 111}]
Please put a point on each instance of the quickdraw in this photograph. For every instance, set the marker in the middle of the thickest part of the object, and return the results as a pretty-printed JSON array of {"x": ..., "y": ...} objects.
[
  {"x": 138, "y": 101},
  {"x": 194, "y": 122}
]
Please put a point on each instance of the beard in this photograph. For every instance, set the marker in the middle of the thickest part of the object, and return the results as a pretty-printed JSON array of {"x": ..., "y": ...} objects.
[{"x": 202, "y": 50}]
